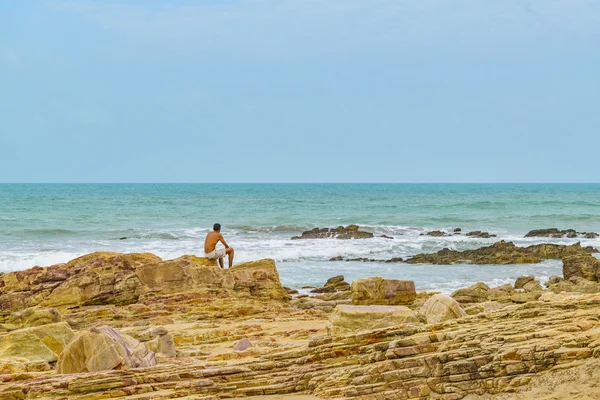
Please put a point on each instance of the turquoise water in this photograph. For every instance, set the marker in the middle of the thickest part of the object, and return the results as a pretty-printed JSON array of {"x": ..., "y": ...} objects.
[{"x": 43, "y": 224}]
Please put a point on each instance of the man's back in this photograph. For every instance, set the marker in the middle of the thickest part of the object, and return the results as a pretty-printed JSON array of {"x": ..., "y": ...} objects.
[{"x": 212, "y": 238}]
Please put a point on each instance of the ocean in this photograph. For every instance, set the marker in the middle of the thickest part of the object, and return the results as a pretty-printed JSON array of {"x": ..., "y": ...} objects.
[{"x": 45, "y": 224}]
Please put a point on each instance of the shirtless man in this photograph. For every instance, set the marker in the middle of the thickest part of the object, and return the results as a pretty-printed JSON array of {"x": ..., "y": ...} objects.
[{"x": 210, "y": 246}]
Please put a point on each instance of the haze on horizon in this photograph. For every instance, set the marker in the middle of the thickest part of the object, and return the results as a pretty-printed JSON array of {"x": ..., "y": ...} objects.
[{"x": 300, "y": 91}]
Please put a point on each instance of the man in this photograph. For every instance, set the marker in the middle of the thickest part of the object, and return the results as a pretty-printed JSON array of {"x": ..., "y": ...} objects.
[{"x": 210, "y": 246}]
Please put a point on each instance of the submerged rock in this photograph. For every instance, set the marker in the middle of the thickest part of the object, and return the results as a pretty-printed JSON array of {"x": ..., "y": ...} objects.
[
  {"x": 380, "y": 291},
  {"x": 556, "y": 233},
  {"x": 501, "y": 253},
  {"x": 348, "y": 232}
]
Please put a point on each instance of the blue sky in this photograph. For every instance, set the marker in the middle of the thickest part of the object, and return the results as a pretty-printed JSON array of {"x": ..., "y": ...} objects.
[{"x": 300, "y": 91}]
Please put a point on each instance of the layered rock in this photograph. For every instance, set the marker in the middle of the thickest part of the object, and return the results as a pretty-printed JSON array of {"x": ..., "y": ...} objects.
[
  {"x": 501, "y": 253},
  {"x": 439, "y": 308},
  {"x": 341, "y": 232},
  {"x": 114, "y": 278},
  {"x": 380, "y": 291},
  {"x": 103, "y": 348},
  {"x": 38, "y": 343},
  {"x": 557, "y": 233},
  {"x": 347, "y": 318}
]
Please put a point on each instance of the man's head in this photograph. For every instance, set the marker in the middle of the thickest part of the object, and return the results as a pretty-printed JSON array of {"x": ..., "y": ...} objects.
[{"x": 217, "y": 227}]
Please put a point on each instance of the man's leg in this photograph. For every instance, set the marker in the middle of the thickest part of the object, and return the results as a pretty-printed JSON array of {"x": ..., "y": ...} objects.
[
  {"x": 221, "y": 262},
  {"x": 230, "y": 253}
]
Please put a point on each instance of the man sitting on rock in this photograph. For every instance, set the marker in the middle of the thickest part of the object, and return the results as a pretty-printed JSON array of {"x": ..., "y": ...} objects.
[{"x": 210, "y": 246}]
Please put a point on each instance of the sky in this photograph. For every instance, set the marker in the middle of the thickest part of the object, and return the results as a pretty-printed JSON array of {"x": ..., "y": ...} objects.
[{"x": 300, "y": 91}]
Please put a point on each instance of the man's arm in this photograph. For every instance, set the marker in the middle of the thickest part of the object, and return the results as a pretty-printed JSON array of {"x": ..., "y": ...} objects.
[{"x": 222, "y": 239}]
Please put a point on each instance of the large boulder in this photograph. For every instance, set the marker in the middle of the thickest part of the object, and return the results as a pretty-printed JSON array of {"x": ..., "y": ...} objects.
[
  {"x": 439, "y": 308},
  {"x": 476, "y": 293},
  {"x": 103, "y": 348},
  {"x": 182, "y": 274},
  {"x": 583, "y": 265},
  {"x": 522, "y": 280},
  {"x": 44, "y": 342},
  {"x": 348, "y": 318},
  {"x": 379, "y": 291},
  {"x": 258, "y": 279}
]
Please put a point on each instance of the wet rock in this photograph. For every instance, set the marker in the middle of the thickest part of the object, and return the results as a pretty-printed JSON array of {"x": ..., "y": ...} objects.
[
  {"x": 380, "y": 291},
  {"x": 290, "y": 291},
  {"x": 457, "y": 230},
  {"x": 501, "y": 253},
  {"x": 348, "y": 232},
  {"x": 351, "y": 318},
  {"x": 581, "y": 265},
  {"x": 440, "y": 308},
  {"x": 556, "y": 233},
  {"x": 480, "y": 234},
  {"x": 103, "y": 348},
  {"x": 522, "y": 280},
  {"x": 386, "y": 237},
  {"x": 436, "y": 233}
]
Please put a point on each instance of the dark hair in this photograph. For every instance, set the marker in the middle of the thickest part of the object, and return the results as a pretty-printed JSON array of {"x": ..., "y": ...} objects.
[{"x": 217, "y": 227}]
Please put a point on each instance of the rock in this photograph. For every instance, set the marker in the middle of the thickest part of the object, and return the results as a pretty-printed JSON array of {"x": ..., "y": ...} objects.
[
  {"x": 485, "y": 307},
  {"x": 156, "y": 339},
  {"x": 290, "y": 291},
  {"x": 326, "y": 289},
  {"x": 501, "y": 253},
  {"x": 575, "y": 284},
  {"x": 581, "y": 265},
  {"x": 349, "y": 232},
  {"x": 386, "y": 237},
  {"x": 121, "y": 279},
  {"x": 380, "y": 291},
  {"x": 258, "y": 279},
  {"x": 457, "y": 230},
  {"x": 501, "y": 293},
  {"x": 351, "y": 318},
  {"x": 524, "y": 297},
  {"x": 533, "y": 286},
  {"x": 476, "y": 293},
  {"x": 103, "y": 348},
  {"x": 436, "y": 233},
  {"x": 480, "y": 234},
  {"x": 440, "y": 308},
  {"x": 44, "y": 342},
  {"x": 35, "y": 316},
  {"x": 242, "y": 345},
  {"x": 556, "y": 233},
  {"x": 334, "y": 280},
  {"x": 522, "y": 280}
]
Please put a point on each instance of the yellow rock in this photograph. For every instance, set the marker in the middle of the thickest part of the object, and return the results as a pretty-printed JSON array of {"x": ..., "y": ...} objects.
[
  {"x": 439, "y": 308},
  {"x": 103, "y": 348},
  {"x": 346, "y": 318},
  {"x": 377, "y": 290},
  {"x": 44, "y": 342}
]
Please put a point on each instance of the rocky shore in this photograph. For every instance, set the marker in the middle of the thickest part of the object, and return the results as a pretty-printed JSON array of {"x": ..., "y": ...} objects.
[{"x": 134, "y": 326}]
